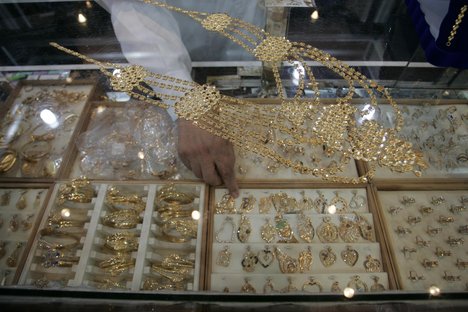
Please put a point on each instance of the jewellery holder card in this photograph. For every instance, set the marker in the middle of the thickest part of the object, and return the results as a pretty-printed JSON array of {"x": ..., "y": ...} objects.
[
  {"x": 106, "y": 149},
  {"x": 38, "y": 124},
  {"x": 120, "y": 242},
  {"x": 21, "y": 207},
  {"x": 426, "y": 232},
  {"x": 294, "y": 240},
  {"x": 440, "y": 132}
]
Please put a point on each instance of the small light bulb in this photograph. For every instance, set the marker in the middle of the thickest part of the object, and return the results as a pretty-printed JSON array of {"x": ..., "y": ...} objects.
[
  {"x": 196, "y": 215},
  {"x": 314, "y": 16},
  {"x": 81, "y": 18},
  {"x": 100, "y": 109},
  {"x": 65, "y": 213},
  {"x": 49, "y": 117},
  {"x": 141, "y": 155},
  {"x": 434, "y": 290},
  {"x": 69, "y": 79},
  {"x": 89, "y": 5},
  {"x": 331, "y": 209},
  {"x": 348, "y": 292}
]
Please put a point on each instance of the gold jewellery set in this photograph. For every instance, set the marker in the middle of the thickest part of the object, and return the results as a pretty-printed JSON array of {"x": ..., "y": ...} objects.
[
  {"x": 339, "y": 128},
  {"x": 430, "y": 226},
  {"x": 32, "y": 144}
]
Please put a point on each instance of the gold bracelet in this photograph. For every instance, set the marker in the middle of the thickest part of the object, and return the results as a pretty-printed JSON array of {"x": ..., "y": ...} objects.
[
  {"x": 44, "y": 244},
  {"x": 170, "y": 195},
  {"x": 122, "y": 242},
  {"x": 122, "y": 219}
]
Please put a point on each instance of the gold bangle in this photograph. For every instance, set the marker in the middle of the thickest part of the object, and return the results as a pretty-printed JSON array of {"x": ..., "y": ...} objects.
[
  {"x": 122, "y": 219},
  {"x": 44, "y": 244},
  {"x": 169, "y": 194},
  {"x": 122, "y": 242},
  {"x": 117, "y": 264}
]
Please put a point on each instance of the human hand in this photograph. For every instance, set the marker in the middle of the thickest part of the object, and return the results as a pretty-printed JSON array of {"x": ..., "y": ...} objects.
[{"x": 210, "y": 157}]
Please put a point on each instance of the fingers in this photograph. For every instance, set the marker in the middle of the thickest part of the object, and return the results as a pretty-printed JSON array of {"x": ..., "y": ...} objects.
[
  {"x": 226, "y": 171},
  {"x": 209, "y": 173}
]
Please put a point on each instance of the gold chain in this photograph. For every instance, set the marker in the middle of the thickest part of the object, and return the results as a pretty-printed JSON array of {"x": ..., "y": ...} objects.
[{"x": 455, "y": 26}]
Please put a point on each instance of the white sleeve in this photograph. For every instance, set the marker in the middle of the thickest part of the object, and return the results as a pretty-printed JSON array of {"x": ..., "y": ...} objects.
[{"x": 149, "y": 37}]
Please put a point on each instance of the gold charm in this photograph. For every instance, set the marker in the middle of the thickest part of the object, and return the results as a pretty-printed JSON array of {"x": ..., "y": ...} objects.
[
  {"x": 426, "y": 210},
  {"x": 268, "y": 232},
  {"x": 349, "y": 231},
  {"x": 218, "y": 235},
  {"x": 453, "y": 241},
  {"x": 247, "y": 287},
  {"x": 247, "y": 204},
  {"x": 268, "y": 288},
  {"x": 372, "y": 265},
  {"x": 457, "y": 209},
  {"x": 335, "y": 287},
  {"x": 327, "y": 231},
  {"x": 394, "y": 210},
  {"x": 264, "y": 205},
  {"x": 430, "y": 264},
  {"x": 305, "y": 260},
  {"x": 437, "y": 200},
  {"x": 312, "y": 285},
  {"x": 226, "y": 205},
  {"x": 357, "y": 202},
  {"x": 339, "y": 202},
  {"x": 421, "y": 242},
  {"x": 401, "y": 231},
  {"x": 406, "y": 201},
  {"x": 349, "y": 256},
  {"x": 287, "y": 264},
  {"x": 224, "y": 257},
  {"x": 305, "y": 227},
  {"x": 413, "y": 220},
  {"x": 327, "y": 257},
  {"x": 284, "y": 230},
  {"x": 249, "y": 260},
  {"x": 461, "y": 264},
  {"x": 21, "y": 203},
  {"x": 414, "y": 277},
  {"x": 244, "y": 229},
  {"x": 357, "y": 284},
  {"x": 408, "y": 251},
  {"x": 451, "y": 278},
  {"x": 266, "y": 257},
  {"x": 442, "y": 253},
  {"x": 463, "y": 229},
  {"x": 433, "y": 231},
  {"x": 377, "y": 286},
  {"x": 445, "y": 220}
]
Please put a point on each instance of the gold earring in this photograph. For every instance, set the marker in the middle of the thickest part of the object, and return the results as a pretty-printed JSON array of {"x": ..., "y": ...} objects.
[
  {"x": 305, "y": 227},
  {"x": 244, "y": 229},
  {"x": 350, "y": 256},
  {"x": 327, "y": 256},
  {"x": 224, "y": 257},
  {"x": 268, "y": 232},
  {"x": 372, "y": 265},
  {"x": 327, "y": 231}
]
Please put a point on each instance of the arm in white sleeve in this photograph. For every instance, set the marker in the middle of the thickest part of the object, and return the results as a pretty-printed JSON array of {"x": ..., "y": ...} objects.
[{"x": 150, "y": 37}]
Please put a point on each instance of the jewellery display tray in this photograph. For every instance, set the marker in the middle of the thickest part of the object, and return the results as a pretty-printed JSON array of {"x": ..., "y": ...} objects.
[
  {"x": 254, "y": 264},
  {"x": 426, "y": 233},
  {"x": 439, "y": 130},
  {"x": 39, "y": 123},
  {"x": 87, "y": 262},
  {"x": 21, "y": 209}
]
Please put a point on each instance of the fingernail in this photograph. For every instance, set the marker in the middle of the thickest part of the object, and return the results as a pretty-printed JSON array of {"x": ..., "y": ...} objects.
[{"x": 235, "y": 194}]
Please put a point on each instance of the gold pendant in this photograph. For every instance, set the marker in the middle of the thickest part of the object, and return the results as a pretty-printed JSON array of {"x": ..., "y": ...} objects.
[
  {"x": 327, "y": 231},
  {"x": 305, "y": 260},
  {"x": 335, "y": 287},
  {"x": 247, "y": 287},
  {"x": 372, "y": 265},
  {"x": 327, "y": 257},
  {"x": 5, "y": 198},
  {"x": 268, "y": 288},
  {"x": 349, "y": 256},
  {"x": 340, "y": 203},
  {"x": 357, "y": 284},
  {"x": 365, "y": 226},
  {"x": 287, "y": 264},
  {"x": 247, "y": 204},
  {"x": 377, "y": 286},
  {"x": 264, "y": 205},
  {"x": 306, "y": 204},
  {"x": 349, "y": 231},
  {"x": 266, "y": 257},
  {"x": 320, "y": 203},
  {"x": 218, "y": 235},
  {"x": 284, "y": 230},
  {"x": 21, "y": 203},
  {"x": 268, "y": 232},
  {"x": 244, "y": 229},
  {"x": 357, "y": 202},
  {"x": 224, "y": 257},
  {"x": 226, "y": 205},
  {"x": 249, "y": 260},
  {"x": 305, "y": 227}
]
